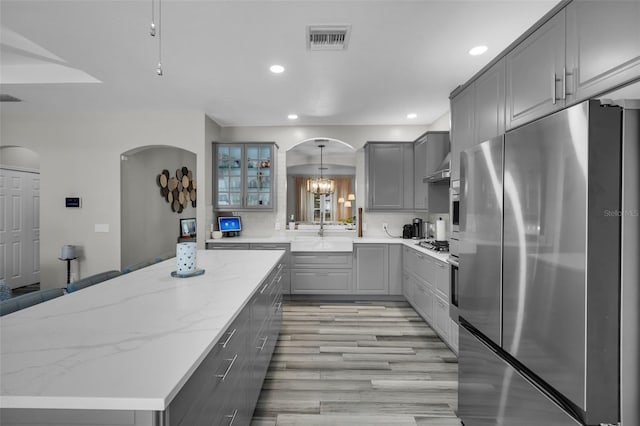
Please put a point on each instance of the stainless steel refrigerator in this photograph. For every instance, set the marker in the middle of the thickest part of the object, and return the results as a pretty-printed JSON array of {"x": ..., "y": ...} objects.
[{"x": 540, "y": 272}]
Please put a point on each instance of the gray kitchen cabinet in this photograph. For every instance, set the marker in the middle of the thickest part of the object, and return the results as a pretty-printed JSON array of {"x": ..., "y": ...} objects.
[
  {"x": 389, "y": 175},
  {"x": 321, "y": 273},
  {"x": 603, "y": 46},
  {"x": 244, "y": 176},
  {"x": 462, "y": 127},
  {"x": 441, "y": 320},
  {"x": 477, "y": 113},
  {"x": 489, "y": 103},
  {"x": 423, "y": 301},
  {"x": 226, "y": 385},
  {"x": 430, "y": 149},
  {"x": 425, "y": 284},
  {"x": 440, "y": 278},
  {"x": 371, "y": 267},
  {"x": 395, "y": 269},
  {"x": 536, "y": 78},
  {"x": 321, "y": 281},
  {"x": 286, "y": 274},
  {"x": 420, "y": 172},
  {"x": 407, "y": 286}
]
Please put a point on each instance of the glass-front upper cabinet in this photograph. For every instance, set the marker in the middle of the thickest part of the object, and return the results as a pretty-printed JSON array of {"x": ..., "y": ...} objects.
[{"x": 244, "y": 176}]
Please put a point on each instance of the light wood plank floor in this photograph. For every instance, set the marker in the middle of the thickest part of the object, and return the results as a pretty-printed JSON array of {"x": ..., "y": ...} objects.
[{"x": 361, "y": 363}]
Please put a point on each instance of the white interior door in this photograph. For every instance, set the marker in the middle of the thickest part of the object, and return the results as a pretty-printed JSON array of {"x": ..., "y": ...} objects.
[{"x": 19, "y": 227}]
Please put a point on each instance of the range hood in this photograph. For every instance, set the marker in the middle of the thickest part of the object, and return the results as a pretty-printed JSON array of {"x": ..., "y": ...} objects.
[{"x": 442, "y": 174}]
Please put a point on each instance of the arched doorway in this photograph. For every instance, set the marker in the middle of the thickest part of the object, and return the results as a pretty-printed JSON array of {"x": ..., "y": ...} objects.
[
  {"x": 20, "y": 211},
  {"x": 149, "y": 227}
]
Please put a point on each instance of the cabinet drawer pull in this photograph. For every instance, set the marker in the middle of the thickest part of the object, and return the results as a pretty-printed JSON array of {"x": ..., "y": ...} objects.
[
  {"x": 226, "y": 342},
  {"x": 232, "y": 417},
  {"x": 264, "y": 288},
  {"x": 224, "y": 376},
  {"x": 278, "y": 306},
  {"x": 264, "y": 342},
  {"x": 279, "y": 279}
]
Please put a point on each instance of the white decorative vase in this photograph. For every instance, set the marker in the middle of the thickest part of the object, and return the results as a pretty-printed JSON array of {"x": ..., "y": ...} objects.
[{"x": 186, "y": 262}]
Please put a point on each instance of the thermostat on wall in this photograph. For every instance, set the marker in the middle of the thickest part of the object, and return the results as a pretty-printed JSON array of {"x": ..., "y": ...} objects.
[{"x": 73, "y": 202}]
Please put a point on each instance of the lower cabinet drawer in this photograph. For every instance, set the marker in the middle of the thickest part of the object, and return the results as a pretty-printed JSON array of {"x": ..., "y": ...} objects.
[
  {"x": 311, "y": 260},
  {"x": 218, "y": 369},
  {"x": 321, "y": 281}
]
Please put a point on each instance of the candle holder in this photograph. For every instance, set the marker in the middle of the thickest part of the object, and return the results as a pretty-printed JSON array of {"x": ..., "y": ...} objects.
[{"x": 68, "y": 253}]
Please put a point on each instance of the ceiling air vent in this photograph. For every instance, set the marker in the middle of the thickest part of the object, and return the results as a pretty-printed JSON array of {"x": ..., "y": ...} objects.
[
  {"x": 8, "y": 98},
  {"x": 328, "y": 37}
]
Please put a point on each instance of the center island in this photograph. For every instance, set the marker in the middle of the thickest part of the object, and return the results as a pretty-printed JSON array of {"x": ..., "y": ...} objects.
[{"x": 147, "y": 349}]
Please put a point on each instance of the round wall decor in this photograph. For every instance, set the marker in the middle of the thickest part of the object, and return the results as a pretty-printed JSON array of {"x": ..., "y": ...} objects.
[{"x": 178, "y": 191}]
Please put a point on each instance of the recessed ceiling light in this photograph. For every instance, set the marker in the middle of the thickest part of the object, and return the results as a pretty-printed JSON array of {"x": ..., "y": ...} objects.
[
  {"x": 478, "y": 50},
  {"x": 276, "y": 69},
  {"x": 412, "y": 115},
  {"x": 292, "y": 116}
]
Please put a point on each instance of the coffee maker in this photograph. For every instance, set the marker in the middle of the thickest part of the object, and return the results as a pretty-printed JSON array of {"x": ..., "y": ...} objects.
[
  {"x": 418, "y": 229},
  {"x": 407, "y": 231}
]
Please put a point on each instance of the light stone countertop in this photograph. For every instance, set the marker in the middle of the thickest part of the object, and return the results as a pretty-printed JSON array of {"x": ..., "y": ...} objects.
[
  {"x": 130, "y": 343},
  {"x": 443, "y": 257}
]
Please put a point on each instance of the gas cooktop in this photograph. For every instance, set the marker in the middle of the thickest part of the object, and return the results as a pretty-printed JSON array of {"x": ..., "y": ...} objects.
[{"x": 441, "y": 246}]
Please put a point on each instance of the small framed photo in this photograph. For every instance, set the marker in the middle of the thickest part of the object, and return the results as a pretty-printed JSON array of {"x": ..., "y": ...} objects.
[{"x": 188, "y": 228}]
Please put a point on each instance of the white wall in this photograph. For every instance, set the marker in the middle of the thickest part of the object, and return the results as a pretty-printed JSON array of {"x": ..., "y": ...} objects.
[
  {"x": 80, "y": 156},
  {"x": 211, "y": 134},
  {"x": 443, "y": 123},
  {"x": 264, "y": 224}
]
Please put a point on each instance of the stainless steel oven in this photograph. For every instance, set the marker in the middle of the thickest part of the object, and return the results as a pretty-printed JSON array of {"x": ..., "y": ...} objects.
[
  {"x": 454, "y": 249},
  {"x": 453, "y": 290}
]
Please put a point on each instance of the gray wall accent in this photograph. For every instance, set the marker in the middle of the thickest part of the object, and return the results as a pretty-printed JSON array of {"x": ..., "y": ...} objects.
[{"x": 149, "y": 227}]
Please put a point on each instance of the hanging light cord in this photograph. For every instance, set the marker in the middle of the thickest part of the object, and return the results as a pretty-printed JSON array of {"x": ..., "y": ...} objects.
[
  {"x": 153, "y": 30},
  {"x": 321, "y": 146},
  {"x": 159, "y": 68}
]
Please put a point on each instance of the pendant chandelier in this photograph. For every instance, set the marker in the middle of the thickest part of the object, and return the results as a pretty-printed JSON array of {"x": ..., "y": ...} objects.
[{"x": 320, "y": 185}]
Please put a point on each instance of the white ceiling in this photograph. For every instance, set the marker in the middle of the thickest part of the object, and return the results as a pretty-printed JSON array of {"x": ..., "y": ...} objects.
[{"x": 403, "y": 56}]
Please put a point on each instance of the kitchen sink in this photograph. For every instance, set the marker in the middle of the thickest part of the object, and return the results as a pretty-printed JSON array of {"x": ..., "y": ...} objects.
[{"x": 316, "y": 243}]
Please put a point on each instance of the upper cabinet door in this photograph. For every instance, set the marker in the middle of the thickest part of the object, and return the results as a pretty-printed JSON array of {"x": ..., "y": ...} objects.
[
  {"x": 259, "y": 186},
  {"x": 490, "y": 103},
  {"x": 389, "y": 175},
  {"x": 603, "y": 46},
  {"x": 420, "y": 172},
  {"x": 244, "y": 176},
  {"x": 536, "y": 73},
  {"x": 462, "y": 127},
  {"x": 229, "y": 166}
]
